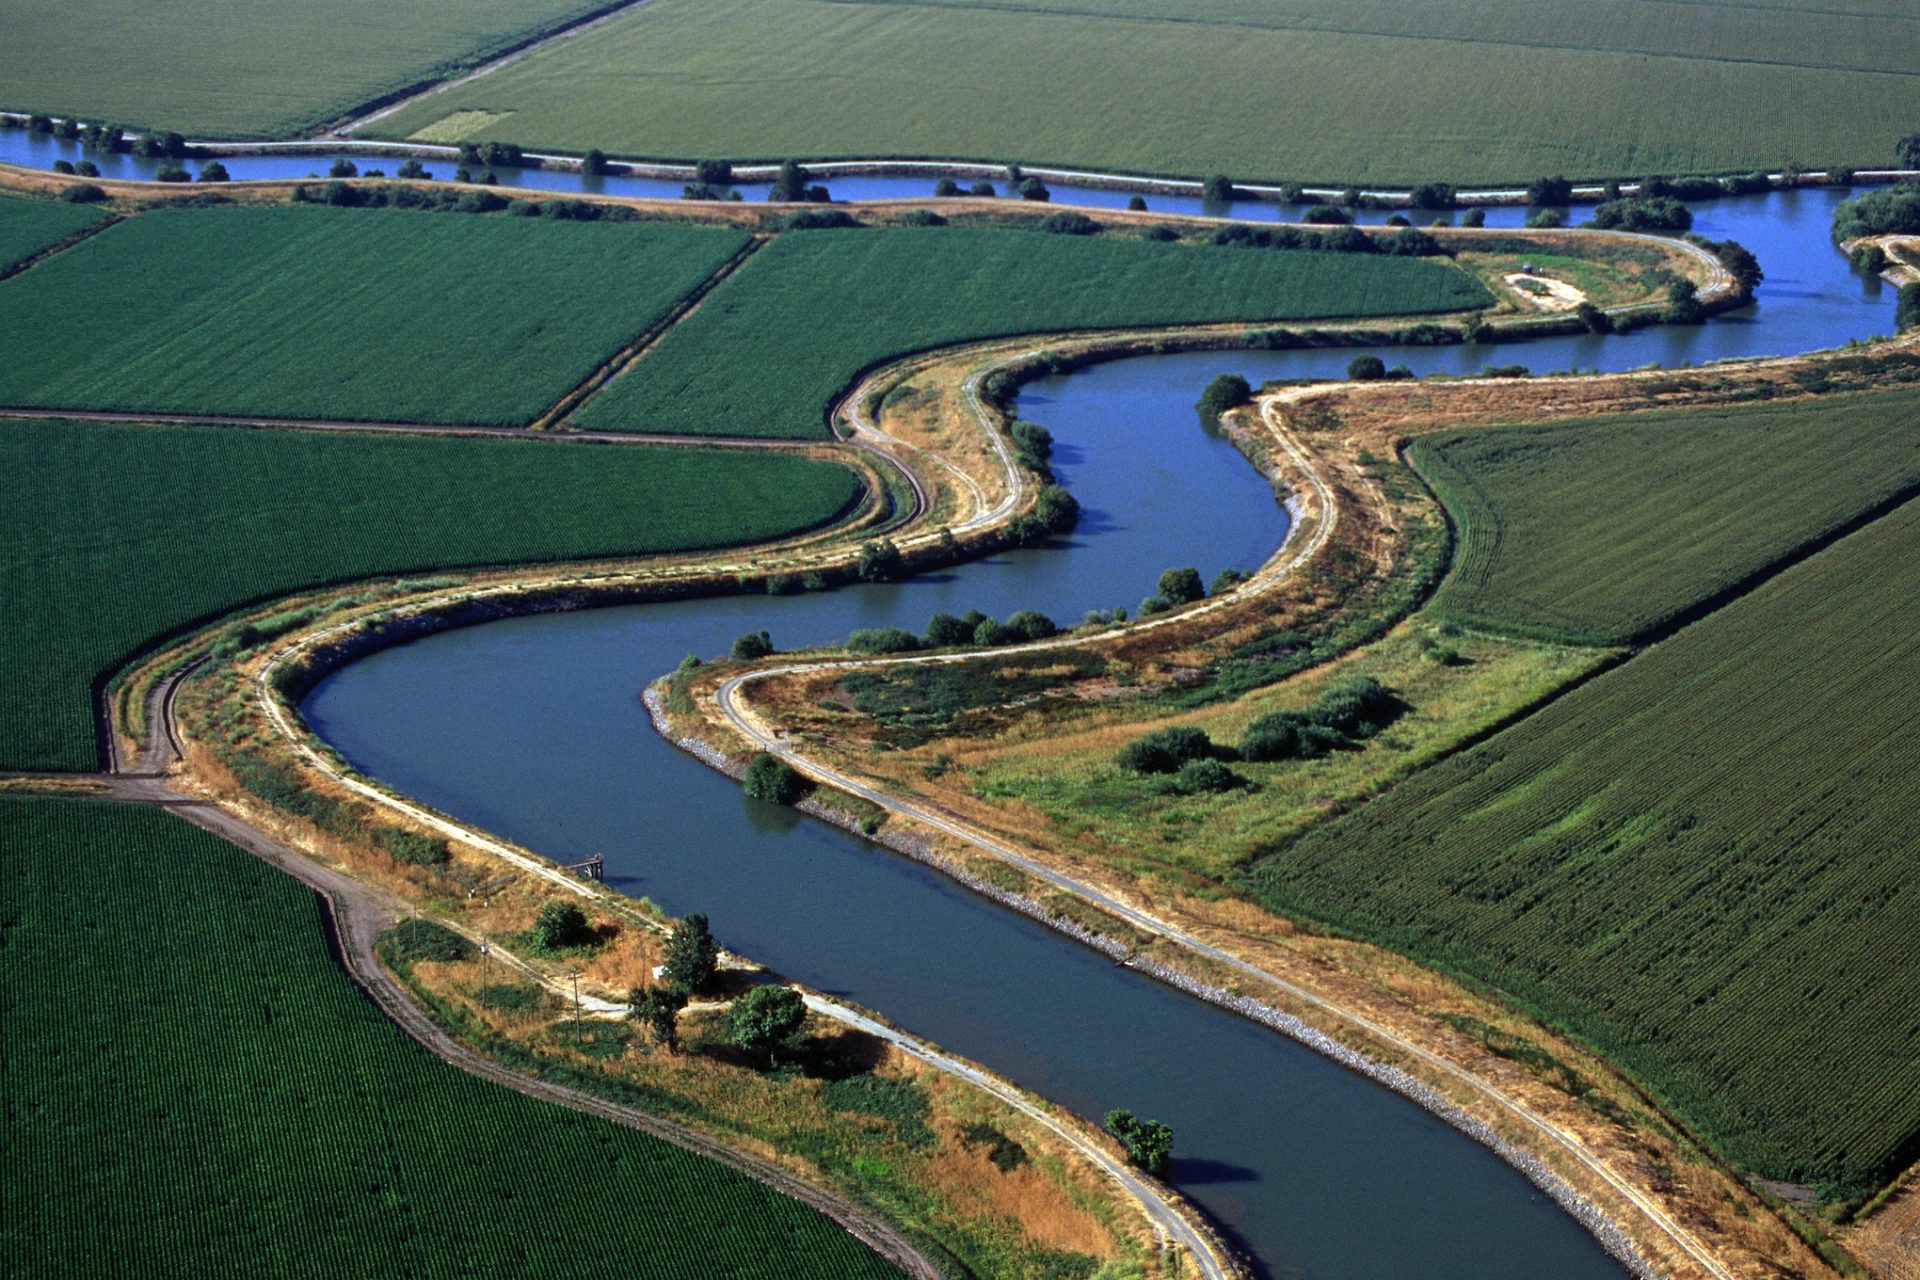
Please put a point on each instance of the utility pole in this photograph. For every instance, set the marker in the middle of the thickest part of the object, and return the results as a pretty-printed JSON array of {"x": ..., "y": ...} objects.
[
  {"x": 485, "y": 955},
  {"x": 575, "y": 972}
]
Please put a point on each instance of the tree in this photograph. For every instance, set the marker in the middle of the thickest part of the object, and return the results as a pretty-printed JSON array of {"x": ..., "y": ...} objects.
[
  {"x": 1907, "y": 151},
  {"x": 1218, "y": 189},
  {"x": 768, "y": 1019},
  {"x": 982, "y": 188},
  {"x": 658, "y": 1010},
  {"x": 562, "y": 924},
  {"x": 791, "y": 186},
  {"x": 944, "y": 631},
  {"x": 1367, "y": 368},
  {"x": 1149, "y": 1143},
  {"x": 171, "y": 172},
  {"x": 879, "y": 561},
  {"x": 882, "y": 640},
  {"x": 1433, "y": 195},
  {"x": 1137, "y": 204},
  {"x": 1596, "y": 320},
  {"x": 1057, "y": 509},
  {"x": 1645, "y": 213},
  {"x": 1226, "y": 580},
  {"x": 343, "y": 168},
  {"x": 1031, "y": 624},
  {"x": 1228, "y": 391},
  {"x": 594, "y": 163},
  {"x": 1683, "y": 307},
  {"x": 692, "y": 956},
  {"x": 753, "y": 645},
  {"x": 1034, "y": 189},
  {"x": 946, "y": 188},
  {"x": 1475, "y": 217},
  {"x": 715, "y": 173},
  {"x": 213, "y": 171},
  {"x": 1906, "y": 312},
  {"x": 414, "y": 170},
  {"x": 772, "y": 779},
  {"x": 1069, "y": 224},
  {"x": 1182, "y": 586},
  {"x": 1549, "y": 191},
  {"x": 82, "y": 193}
]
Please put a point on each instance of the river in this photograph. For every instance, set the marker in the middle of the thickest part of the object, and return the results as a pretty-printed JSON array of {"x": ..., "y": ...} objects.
[{"x": 532, "y": 728}]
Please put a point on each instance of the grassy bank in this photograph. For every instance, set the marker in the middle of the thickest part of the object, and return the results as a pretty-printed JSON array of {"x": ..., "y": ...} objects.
[
  {"x": 1305, "y": 90},
  {"x": 768, "y": 350},
  {"x": 201, "y": 520},
  {"x": 293, "y": 312},
  {"x": 195, "y": 1089},
  {"x": 1699, "y": 863}
]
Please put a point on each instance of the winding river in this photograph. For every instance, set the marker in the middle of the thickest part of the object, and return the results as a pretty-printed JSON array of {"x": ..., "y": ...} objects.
[{"x": 533, "y": 728}]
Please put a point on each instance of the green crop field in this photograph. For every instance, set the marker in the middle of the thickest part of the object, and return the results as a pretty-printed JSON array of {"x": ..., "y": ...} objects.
[
  {"x": 768, "y": 350},
  {"x": 1702, "y": 863},
  {"x": 214, "y": 69},
  {"x": 366, "y": 315},
  {"x": 1602, "y": 530},
  {"x": 1278, "y": 90},
  {"x": 195, "y": 1089},
  {"x": 111, "y": 536},
  {"x": 28, "y": 226}
]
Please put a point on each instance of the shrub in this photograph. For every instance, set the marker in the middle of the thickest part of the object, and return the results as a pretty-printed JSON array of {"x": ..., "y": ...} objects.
[
  {"x": 1160, "y": 234},
  {"x": 1028, "y": 531},
  {"x": 1035, "y": 442},
  {"x": 213, "y": 171},
  {"x": 1893, "y": 211},
  {"x": 1474, "y": 218},
  {"x": 1367, "y": 368},
  {"x": 1203, "y": 777},
  {"x": 1593, "y": 317},
  {"x": 1154, "y": 604},
  {"x": 922, "y": 218},
  {"x": 1228, "y": 391},
  {"x": 1069, "y": 224},
  {"x": 1165, "y": 750},
  {"x": 1682, "y": 306},
  {"x": 946, "y": 188},
  {"x": 1906, "y": 311},
  {"x": 1034, "y": 189},
  {"x": 1644, "y": 213},
  {"x": 1136, "y": 204},
  {"x": 880, "y": 561},
  {"x": 1433, "y": 195},
  {"x": 772, "y": 779},
  {"x": 753, "y": 645},
  {"x": 414, "y": 940},
  {"x": 1149, "y": 1143},
  {"x": 944, "y": 631},
  {"x": 1181, "y": 586},
  {"x": 594, "y": 163},
  {"x": 1546, "y": 219},
  {"x": 982, "y": 189},
  {"x": 766, "y": 1020},
  {"x": 414, "y": 170},
  {"x": 562, "y": 924},
  {"x": 412, "y": 848},
  {"x": 1555, "y": 190},
  {"x": 343, "y": 168},
  {"x": 819, "y": 220},
  {"x": 1030, "y": 624},
  {"x": 1218, "y": 189},
  {"x": 1056, "y": 509},
  {"x": 1325, "y": 214},
  {"x": 64, "y": 167},
  {"x": 87, "y": 169},
  {"x": 1226, "y": 580},
  {"x": 172, "y": 173},
  {"x": 715, "y": 173},
  {"x": 883, "y": 640}
]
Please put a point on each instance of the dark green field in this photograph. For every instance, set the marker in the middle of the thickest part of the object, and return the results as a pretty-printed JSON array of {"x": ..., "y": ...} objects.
[
  {"x": 28, "y": 226},
  {"x": 1702, "y": 863},
  {"x": 206, "y": 1094},
  {"x": 329, "y": 313},
  {"x": 1605, "y": 529},
  {"x": 768, "y": 350},
  {"x": 116, "y": 535}
]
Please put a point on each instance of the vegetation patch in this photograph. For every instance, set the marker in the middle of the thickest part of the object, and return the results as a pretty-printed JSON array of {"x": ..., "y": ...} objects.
[
  {"x": 29, "y": 226},
  {"x": 202, "y": 520},
  {"x": 1605, "y": 529},
  {"x": 768, "y": 350},
  {"x": 1690, "y": 863},
  {"x": 293, "y": 311},
  {"x": 210, "y": 1096}
]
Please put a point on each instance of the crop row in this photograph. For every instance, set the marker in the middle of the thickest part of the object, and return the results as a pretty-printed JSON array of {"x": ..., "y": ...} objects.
[
  {"x": 316, "y": 312},
  {"x": 111, "y": 536},
  {"x": 767, "y": 351},
  {"x": 194, "y": 1089},
  {"x": 1602, "y": 530},
  {"x": 28, "y": 226},
  {"x": 1701, "y": 862}
]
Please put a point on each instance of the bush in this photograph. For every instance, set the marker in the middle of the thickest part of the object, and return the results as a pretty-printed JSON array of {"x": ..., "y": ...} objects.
[
  {"x": 1410, "y": 242},
  {"x": 343, "y": 168},
  {"x": 1165, "y": 750},
  {"x": 213, "y": 171},
  {"x": 751, "y": 646},
  {"x": 414, "y": 940},
  {"x": 982, "y": 189},
  {"x": 946, "y": 188},
  {"x": 87, "y": 169},
  {"x": 1218, "y": 189},
  {"x": 880, "y": 561},
  {"x": 172, "y": 173},
  {"x": 1893, "y": 211},
  {"x": 883, "y": 640},
  {"x": 1433, "y": 195},
  {"x": 1546, "y": 219},
  {"x": 1228, "y": 391},
  {"x": 1181, "y": 586},
  {"x": 1069, "y": 224},
  {"x": 1057, "y": 509},
  {"x": 594, "y": 163},
  {"x": 1345, "y": 712},
  {"x": 1474, "y": 218},
  {"x": 1149, "y": 1143},
  {"x": 1028, "y": 531},
  {"x": 1034, "y": 441},
  {"x": 413, "y": 170},
  {"x": 1645, "y": 213},
  {"x": 1906, "y": 312},
  {"x": 772, "y": 779},
  {"x": 1034, "y": 189},
  {"x": 1367, "y": 368},
  {"x": 922, "y": 218},
  {"x": 766, "y": 1020},
  {"x": 1203, "y": 777},
  {"x": 1593, "y": 317},
  {"x": 1154, "y": 604},
  {"x": 1160, "y": 234},
  {"x": 63, "y": 167},
  {"x": 1136, "y": 204},
  {"x": 1226, "y": 580},
  {"x": 1682, "y": 306},
  {"x": 715, "y": 173},
  {"x": 1325, "y": 214},
  {"x": 944, "y": 631},
  {"x": 562, "y": 924},
  {"x": 412, "y": 848},
  {"x": 1030, "y": 625},
  {"x": 1555, "y": 190},
  {"x": 819, "y": 220}
]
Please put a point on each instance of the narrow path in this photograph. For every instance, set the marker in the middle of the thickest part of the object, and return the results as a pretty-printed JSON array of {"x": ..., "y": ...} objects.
[{"x": 767, "y": 739}]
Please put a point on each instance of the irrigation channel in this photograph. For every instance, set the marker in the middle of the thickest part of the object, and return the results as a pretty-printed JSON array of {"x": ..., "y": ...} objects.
[{"x": 533, "y": 728}]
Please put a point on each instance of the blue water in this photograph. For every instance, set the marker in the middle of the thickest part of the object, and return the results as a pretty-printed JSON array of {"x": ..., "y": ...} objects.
[{"x": 533, "y": 728}]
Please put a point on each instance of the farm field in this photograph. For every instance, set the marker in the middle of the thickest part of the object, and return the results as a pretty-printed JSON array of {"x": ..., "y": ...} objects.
[
  {"x": 210, "y": 69},
  {"x": 28, "y": 226},
  {"x": 1700, "y": 863},
  {"x": 117, "y": 535},
  {"x": 767, "y": 351},
  {"x": 210, "y": 1095},
  {"x": 293, "y": 311},
  {"x": 1603, "y": 530},
  {"x": 1321, "y": 91}
]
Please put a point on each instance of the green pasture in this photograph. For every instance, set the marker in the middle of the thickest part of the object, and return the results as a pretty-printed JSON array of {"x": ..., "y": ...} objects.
[
  {"x": 114, "y": 536},
  {"x": 367, "y": 315},
  {"x": 768, "y": 350},
  {"x": 1471, "y": 91},
  {"x": 29, "y": 226}
]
